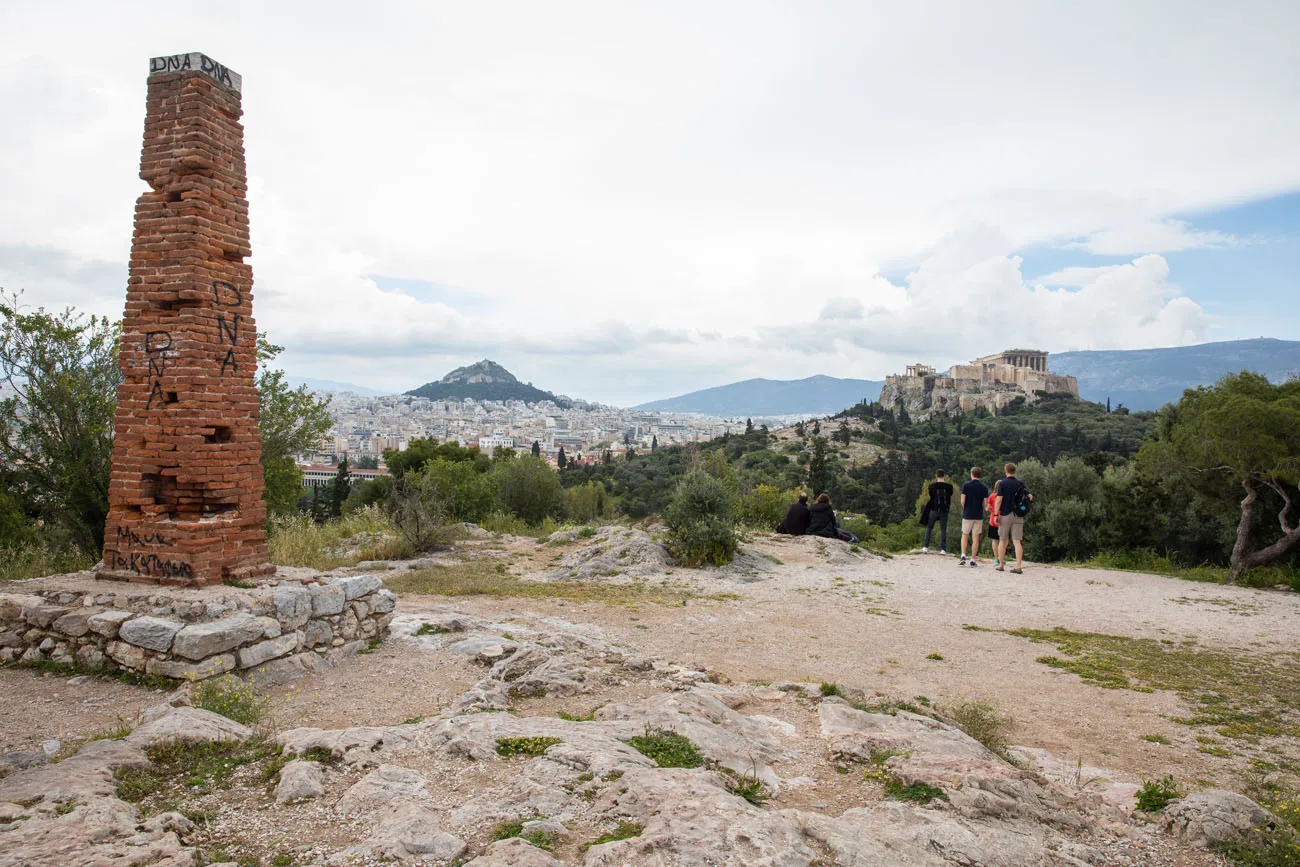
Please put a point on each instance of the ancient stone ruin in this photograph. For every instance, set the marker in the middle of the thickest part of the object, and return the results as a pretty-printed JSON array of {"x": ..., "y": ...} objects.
[
  {"x": 185, "y": 496},
  {"x": 992, "y": 382}
]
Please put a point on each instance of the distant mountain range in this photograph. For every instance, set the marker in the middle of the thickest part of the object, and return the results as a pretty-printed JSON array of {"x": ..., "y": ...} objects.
[
  {"x": 1137, "y": 378},
  {"x": 332, "y": 386},
  {"x": 816, "y": 395},
  {"x": 1150, "y": 378},
  {"x": 483, "y": 380}
]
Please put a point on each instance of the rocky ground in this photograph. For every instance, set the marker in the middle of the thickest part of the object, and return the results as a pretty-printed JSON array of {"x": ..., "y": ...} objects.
[{"x": 545, "y": 721}]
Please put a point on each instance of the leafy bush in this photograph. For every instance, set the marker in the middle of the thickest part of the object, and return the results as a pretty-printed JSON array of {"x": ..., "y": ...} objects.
[
  {"x": 467, "y": 494},
  {"x": 1155, "y": 795},
  {"x": 529, "y": 489},
  {"x": 764, "y": 506},
  {"x": 701, "y": 522},
  {"x": 589, "y": 502}
]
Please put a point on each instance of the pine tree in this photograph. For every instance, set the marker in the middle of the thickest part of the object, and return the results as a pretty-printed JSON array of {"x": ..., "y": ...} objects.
[
  {"x": 819, "y": 471},
  {"x": 654, "y": 444},
  {"x": 631, "y": 453},
  {"x": 562, "y": 460},
  {"x": 749, "y": 425},
  {"x": 608, "y": 456},
  {"x": 817, "y": 428},
  {"x": 340, "y": 487},
  {"x": 844, "y": 434},
  {"x": 537, "y": 449}
]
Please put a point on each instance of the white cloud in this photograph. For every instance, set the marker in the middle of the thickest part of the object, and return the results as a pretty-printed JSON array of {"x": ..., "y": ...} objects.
[
  {"x": 646, "y": 197},
  {"x": 1152, "y": 236}
]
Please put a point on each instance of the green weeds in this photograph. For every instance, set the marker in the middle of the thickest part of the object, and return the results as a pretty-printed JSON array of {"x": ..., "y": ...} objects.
[
  {"x": 535, "y": 746},
  {"x": 1155, "y": 795},
  {"x": 668, "y": 749}
]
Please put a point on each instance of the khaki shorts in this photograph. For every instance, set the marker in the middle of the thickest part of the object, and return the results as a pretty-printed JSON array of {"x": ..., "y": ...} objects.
[
  {"x": 1013, "y": 527},
  {"x": 972, "y": 525}
]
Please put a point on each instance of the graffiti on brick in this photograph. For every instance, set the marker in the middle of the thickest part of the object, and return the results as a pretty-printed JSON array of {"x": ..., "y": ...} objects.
[
  {"x": 156, "y": 345},
  {"x": 129, "y": 536},
  {"x": 149, "y": 564},
  {"x": 190, "y": 62},
  {"x": 228, "y": 295}
]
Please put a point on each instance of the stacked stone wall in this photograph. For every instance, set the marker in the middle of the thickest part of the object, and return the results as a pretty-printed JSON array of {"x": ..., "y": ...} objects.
[
  {"x": 185, "y": 494},
  {"x": 272, "y": 632}
]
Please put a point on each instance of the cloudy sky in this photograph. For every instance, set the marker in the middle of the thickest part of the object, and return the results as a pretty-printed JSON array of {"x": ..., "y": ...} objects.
[{"x": 625, "y": 201}]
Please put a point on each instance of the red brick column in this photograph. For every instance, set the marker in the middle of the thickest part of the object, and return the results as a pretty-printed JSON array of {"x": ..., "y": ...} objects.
[{"x": 185, "y": 496}]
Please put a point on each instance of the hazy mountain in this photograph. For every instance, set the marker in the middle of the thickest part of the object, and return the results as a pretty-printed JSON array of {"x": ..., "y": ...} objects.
[
  {"x": 1150, "y": 378},
  {"x": 483, "y": 380},
  {"x": 816, "y": 395},
  {"x": 332, "y": 386}
]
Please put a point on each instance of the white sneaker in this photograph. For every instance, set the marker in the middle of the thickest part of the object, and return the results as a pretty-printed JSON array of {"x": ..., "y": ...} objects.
[
  {"x": 943, "y": 553},
  {"x": 925, "y": 550}
]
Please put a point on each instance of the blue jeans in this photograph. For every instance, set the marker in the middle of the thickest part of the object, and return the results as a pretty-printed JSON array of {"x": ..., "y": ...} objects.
[{"x": 941, "y": 518}]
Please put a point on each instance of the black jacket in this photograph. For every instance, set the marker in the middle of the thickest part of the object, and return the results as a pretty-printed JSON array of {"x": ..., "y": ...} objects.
[
  {"x": 823, "y": 521},
  {"x": 796, "y": 520}
]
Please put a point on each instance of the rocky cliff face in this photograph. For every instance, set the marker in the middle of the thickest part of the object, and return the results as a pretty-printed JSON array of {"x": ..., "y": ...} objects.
[{"x": 924, "y": 396}]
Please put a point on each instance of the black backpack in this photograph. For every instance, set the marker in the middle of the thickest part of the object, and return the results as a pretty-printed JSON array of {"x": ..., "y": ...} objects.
[{"x": 1020, "y": 502}]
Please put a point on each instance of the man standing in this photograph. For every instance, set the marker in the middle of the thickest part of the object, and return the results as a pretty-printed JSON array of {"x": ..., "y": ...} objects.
[
  {"x": 973, "y": 495},
  {"x": 796, "y": 518},
  {"x": 940, "y": 502},
  {"x": 1011, "y": 522}
]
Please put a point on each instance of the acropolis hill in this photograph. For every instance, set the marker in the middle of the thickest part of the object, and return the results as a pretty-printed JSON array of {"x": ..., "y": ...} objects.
[{"x": 992, "y": 382}]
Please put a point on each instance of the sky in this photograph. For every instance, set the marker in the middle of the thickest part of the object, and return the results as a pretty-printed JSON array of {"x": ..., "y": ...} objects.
[{"x": 627, "y": 201}]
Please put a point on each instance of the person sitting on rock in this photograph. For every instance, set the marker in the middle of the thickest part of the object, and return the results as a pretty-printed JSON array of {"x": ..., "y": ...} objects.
[
  {"x": 796, "y": 518},
  {"x": 822, "y": 519}
]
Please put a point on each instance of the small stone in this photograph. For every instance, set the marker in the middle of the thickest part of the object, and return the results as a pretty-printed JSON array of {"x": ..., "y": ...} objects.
[
  {"x": 181, "y": 670},
  {"x": 267, "y": 650},
  {"x": 75, "y": 624},
  {"x": 356, "y": 586},
  {"x": 327, "y": 599},
  {"x": 51, "y": 747},
  {"x": 293, "y": 605},
  {"x": 151, "y": 633},
  {"x": 90, "y": 657},
  {"x": 106, "y": 623},
  {"x": 383, "y": 602},
  {"x": 300, "y": 780},
  {"x": 201, "y": 640},
  {"x": 126, "y": 655},
  {"x": 43, "y": 615}
]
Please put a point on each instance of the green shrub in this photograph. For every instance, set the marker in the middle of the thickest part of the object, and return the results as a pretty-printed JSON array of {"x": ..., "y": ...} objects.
[
  {"x": 701, "y": 522},
  {"x": 668, "y": 749},
  {"x": 529, "y": 489},
  {"x": 589, "y": 502},
  {"x": 829, "y": 689},
  {"x": 232, "y": 698},
  {"x": 765, "y": 506},
  {"x": 1155, "y": 795}
]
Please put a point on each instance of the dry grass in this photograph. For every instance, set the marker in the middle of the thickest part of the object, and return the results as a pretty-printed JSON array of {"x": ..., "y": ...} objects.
[
  {"x": 485, "y": 577},
  {"x": 366, "y": 534}
]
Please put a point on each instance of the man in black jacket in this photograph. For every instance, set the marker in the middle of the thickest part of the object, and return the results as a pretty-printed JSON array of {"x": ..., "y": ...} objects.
[
  {"x": 821, "y": 521},
  {"x": 940, "y": 503},
  {"x": 796, "y": 518}
]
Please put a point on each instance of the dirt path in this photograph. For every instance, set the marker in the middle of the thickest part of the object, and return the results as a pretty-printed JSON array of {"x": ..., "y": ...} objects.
[
  {"x": 871, "y": 624},
  {"x": 819, "y": 615}
]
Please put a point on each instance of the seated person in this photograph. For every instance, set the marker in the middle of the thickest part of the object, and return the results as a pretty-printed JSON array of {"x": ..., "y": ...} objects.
[
  {"x": 822, "y": 519},
  {"x": 796, "y": 519}
]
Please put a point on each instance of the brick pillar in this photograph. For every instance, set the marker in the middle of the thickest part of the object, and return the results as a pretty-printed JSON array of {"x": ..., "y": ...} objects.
[{"x": 185, "y": 495}]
